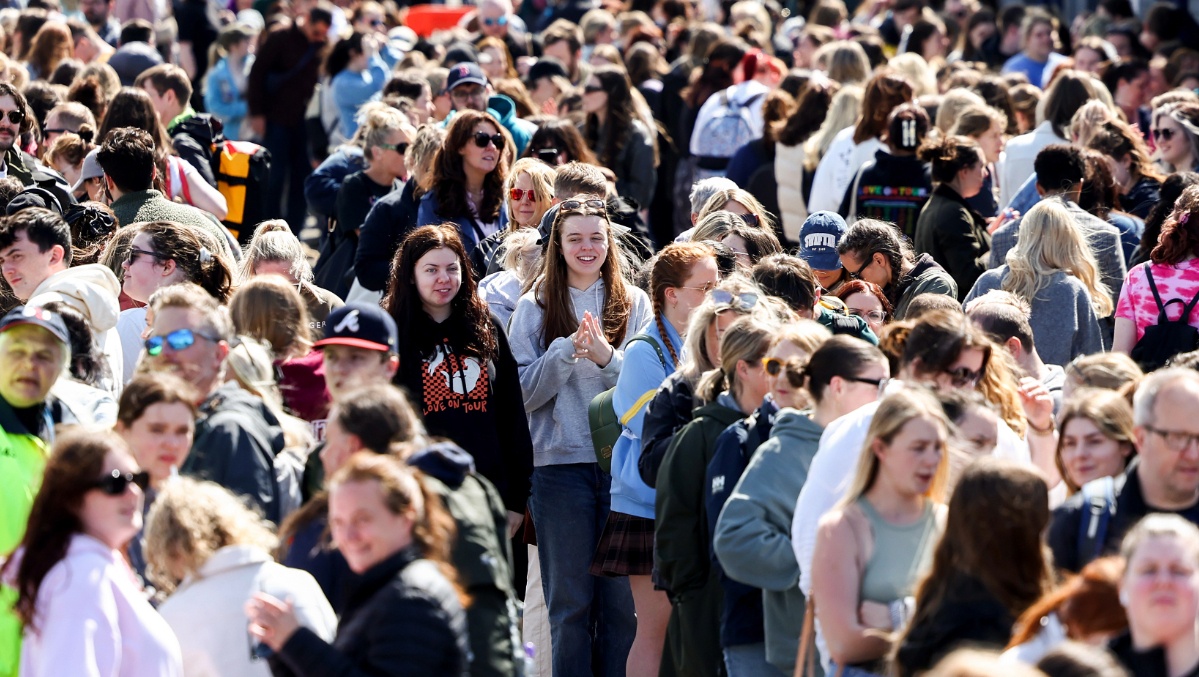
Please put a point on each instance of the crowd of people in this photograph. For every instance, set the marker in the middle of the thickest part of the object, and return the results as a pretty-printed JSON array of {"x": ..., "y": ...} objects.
[{"x": 599, "y": 338}]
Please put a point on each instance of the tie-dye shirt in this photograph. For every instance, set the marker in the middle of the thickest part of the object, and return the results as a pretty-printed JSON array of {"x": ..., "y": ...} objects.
[{"x": 1179, "y": 281}]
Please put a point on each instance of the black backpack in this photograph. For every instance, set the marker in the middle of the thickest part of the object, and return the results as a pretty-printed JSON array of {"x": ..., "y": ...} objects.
[{"x": 1168, "y": 337}]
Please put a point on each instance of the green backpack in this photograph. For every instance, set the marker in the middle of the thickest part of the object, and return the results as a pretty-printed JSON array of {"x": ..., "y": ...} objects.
[{"x": 606, "y": 425}]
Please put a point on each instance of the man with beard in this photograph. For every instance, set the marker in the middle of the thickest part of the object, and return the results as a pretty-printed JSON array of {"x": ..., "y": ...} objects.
[
  {"x": 15, "y": 118},
  {"x": 237, "y": 435}
]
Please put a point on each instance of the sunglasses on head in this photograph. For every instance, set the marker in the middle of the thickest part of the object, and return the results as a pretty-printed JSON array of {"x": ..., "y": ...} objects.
[
  {"x": 482, "y": 139},
  {"x": 963, "y": 377},
  {"x": 518, "y": 194},
  {"x": 117, "y": 483},
  {"x": 575, "y": 205},
  {"x": 180, "y": 339},
  {"x": 1163, "y": 134},
  {"x": 751, "y": 219},
  {"x": 15, "y": 116},
  {"x": 743, "y": 301}
]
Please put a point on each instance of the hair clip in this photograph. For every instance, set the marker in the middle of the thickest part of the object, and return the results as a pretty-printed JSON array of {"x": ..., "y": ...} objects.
[{"x": 205, "y": 255}]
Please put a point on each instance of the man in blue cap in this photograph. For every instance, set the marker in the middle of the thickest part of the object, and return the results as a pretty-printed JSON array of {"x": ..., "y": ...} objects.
[{"x": 469, "y": 90}]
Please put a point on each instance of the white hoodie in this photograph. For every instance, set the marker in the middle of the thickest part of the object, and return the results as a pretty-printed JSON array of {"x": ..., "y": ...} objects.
[{"x": 92, "y": 290}]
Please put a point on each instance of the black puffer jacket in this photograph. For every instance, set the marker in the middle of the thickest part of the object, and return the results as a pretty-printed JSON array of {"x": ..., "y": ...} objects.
[
  {"x": 401, "y": 618},
  {"x": 665, "y": 415}
]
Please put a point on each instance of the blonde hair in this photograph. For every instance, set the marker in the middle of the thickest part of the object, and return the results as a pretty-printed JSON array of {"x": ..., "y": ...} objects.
[
  {"x": 742, "y": 197},
  {"x": 845, "y": 62},
  {"x": 377, "y": 121},
  {"x": 953, "y": 104},
  {"x": 695, "y": 345},
  {"x": 842, "y": 112},
  {"x": 191, "y": 520},
  {"x": 1088, "y": 120},
  {"x": 273, "y": 242},
  {"x": 746, "y": 340},
  {"x": 542, "y": 176},
  {"x": 270, "y": 309},
  {"x": 515, "y": 244},
  {"x": 807, "y": 335},
  {"x": 1161, "y": 524},
  {"x": 893, "y": 413},
  {"x": 916, "y": 69},
  {"x": 1050, "y": 242}
]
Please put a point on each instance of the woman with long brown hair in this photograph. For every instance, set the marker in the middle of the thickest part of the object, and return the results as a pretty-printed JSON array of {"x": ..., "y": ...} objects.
[
  {"x": 456, "y": 363},
  {"x": 466, "y": 186},
  {"x": 405, "y": 611},
  {"x": 982, "y": 579},
  {"x": 82, "y": 610},
  {"x": 1137, "y": 177},
  {"x": 616, "y": 134},
  {"x": 51, "y": 45},
  {"x": 1096, "y": 438},
  {"x": 568, "y": 335},
  {"x": 855, "y": 145}
]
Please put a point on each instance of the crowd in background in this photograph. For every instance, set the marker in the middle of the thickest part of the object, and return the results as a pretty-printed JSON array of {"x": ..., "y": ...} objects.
[{"x": 618, "y": 338}]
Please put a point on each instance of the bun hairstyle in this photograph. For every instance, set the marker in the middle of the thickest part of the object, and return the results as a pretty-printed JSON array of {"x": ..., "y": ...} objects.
[
  {"x": 906, "y": 127},
  {"x": 949, "y": 155}
]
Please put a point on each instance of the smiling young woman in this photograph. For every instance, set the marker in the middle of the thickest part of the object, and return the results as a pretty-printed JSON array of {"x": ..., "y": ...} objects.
[{"x": 456, "y": 362}]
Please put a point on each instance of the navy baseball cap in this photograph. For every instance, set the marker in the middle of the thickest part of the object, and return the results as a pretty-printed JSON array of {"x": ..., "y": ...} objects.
[
  {"x": 463, "y": 73},
  {"x": 818, "y": 239},
  {"x": 38, "y": 317},
  {"x": 360, "y": 325}
]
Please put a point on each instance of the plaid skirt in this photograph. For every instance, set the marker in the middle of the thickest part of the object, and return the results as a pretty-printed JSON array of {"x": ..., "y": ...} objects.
[{"x": 626, "y": 548}]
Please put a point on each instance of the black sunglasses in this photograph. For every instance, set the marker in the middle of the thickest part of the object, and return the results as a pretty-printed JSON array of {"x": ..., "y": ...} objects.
[
  {"x": 134, "y": 252},
  {"x": 793, "y": 368},
  {"x": 1164, "y": 134},
  {"x": 15, "y": 116},
  {"x": 963, "y": 377},
  {"x": 592, "y": 89},
  {"x": 857, "y": 275},
  {"x": 483, "y": 138},
  {"x": 752, "y": 220},
  {"x": 400, "y": 148},
  {"x": 117, "y": 483}
]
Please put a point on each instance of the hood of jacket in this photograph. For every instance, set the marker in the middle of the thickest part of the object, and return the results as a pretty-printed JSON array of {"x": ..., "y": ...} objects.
[
  {"x": 502, "y": 107},
  {"x": 232, "y": 396},
  {"x": 924, "y": 265},
  {"x": 91, "y": 289},
  {"x": 792, "y": 426},
  {"x": 446, "y": 461}
]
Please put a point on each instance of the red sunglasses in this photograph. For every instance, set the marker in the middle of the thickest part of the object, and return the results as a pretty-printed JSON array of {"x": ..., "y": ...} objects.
[{"x": 519, "y": 194}]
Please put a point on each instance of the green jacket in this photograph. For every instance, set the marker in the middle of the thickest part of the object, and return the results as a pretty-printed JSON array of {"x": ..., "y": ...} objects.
[
  {"x": 150, "y": 205},
  {"x": 23, "y": 456},
  {"x": 682, "y": 552}
]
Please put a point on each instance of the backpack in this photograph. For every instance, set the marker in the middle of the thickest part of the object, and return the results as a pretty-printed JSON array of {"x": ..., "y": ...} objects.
[
  {"x": 723, "y": 134},
  {"x": 1168, "y": 337},
  {"x": 242, "y": 170},
  {"x": 1099, "y": 506},
  {"x": 606, "y": 426}
]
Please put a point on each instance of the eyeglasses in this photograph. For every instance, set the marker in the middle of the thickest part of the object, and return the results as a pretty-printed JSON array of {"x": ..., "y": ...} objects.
[
  {"x": 400, "y": 148},
  {"x": 518, "y": 194},
  {"x": 180, "y": 339},
  {"x": 467, "y": 93},
  {"x": 575, "y": 205},
  {"x": 117, "y": 483},
  {"x": 743, "y": 301},
  {"x": 793, "y": 368},
  {"x": 962, "y": 377},
  {"x": 876, "y": 382},
  {"x": 55, "y": 130},
  {"x": 752, "y": 220},
  {"x": 134, "y": 252},
  {"x": 858, "y": 275},
  {"x": 1163, "y": 134},
  {"x": 1176, "y": 440},
  {"x": 502, "y": 21},
  {"x": 14, "y": 116},
  {"x": 708, "y": 286},
  {"x": 482, "y": 139},
  {"x": 869, "y": 315}
]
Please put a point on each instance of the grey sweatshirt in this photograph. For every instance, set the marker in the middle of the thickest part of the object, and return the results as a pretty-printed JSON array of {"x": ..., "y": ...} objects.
[
  {"x": 753, "y": 532},
  {"x": 1063, "y": 320},
  {"x": 557, "y": 387}
]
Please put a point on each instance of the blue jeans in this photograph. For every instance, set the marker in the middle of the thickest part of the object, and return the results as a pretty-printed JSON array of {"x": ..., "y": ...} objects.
[
  {"x": 592, "y": 623},
  {"x": 749, "y": 660}
]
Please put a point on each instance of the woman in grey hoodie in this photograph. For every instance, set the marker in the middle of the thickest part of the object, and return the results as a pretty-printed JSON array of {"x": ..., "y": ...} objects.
[
  {"x": 753, "y": 534},
  {"x": 567, "y": 335}
]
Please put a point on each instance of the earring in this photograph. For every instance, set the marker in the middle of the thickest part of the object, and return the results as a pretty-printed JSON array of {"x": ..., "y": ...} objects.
[{"x": 1124, "y": 598}]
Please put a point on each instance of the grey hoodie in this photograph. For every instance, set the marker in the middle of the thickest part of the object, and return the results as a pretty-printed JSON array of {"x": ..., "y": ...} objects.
[
  {"x": 753, "y": 532},
  {"x": 557, "y": 387}
]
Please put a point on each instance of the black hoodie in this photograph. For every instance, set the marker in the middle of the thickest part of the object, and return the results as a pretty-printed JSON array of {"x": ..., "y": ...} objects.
[{"x": 479, "y": 406}]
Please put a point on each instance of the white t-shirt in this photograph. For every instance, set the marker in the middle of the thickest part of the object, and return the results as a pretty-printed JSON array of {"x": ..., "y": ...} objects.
[{"x": 130, "y": 327}]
